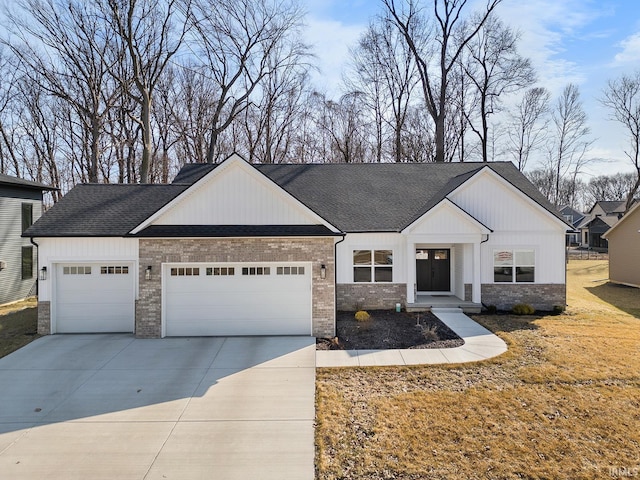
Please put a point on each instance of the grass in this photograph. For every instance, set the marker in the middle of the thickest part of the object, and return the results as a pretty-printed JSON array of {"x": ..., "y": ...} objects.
[
  {"x": 563, "y": 402},
  {"x": 18, "y": 325}
]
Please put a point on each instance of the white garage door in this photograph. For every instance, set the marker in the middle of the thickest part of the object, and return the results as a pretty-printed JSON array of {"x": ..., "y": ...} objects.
[
  {"x": 94, "y": 298},
  {"x": 237, "y": 299}
]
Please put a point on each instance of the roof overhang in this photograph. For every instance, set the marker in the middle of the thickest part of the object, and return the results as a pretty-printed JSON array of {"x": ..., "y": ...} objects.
[{"x": 235, "y": 231}]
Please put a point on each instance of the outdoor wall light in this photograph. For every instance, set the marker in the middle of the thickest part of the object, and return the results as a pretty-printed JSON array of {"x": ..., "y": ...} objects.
[
  {"x": 323, "y": 271},
  {"x": 43, "y": 273},
  {"x": 147, "y": 273}
]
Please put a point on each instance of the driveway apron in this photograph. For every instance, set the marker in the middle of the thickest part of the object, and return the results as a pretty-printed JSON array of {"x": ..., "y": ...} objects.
[{"x": 111, "y": 406}]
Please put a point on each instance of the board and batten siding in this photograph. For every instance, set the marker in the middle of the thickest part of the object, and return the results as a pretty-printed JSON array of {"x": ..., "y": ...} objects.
[
  {"x": 12, "y": 286},
  {"x": 78, "y": 250},
  {"x": 239, "y": 197}
]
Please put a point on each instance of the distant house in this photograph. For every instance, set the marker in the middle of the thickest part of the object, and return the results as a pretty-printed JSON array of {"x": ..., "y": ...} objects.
[
  {"x": 20, "y": 206},
  {"x": 573, "y": 218},
  {"x": 624, "y": 249},
  {"x": 602, "y": 216}
]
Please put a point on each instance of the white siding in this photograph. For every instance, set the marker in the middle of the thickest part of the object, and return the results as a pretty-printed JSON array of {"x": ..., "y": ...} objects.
[
  {"x": 373, "y": 241},
  {"x": 502, "y": 208},
  {"x": 68, "y": 250},
  {"x": 458, "y": 270},
  {"x": 239, "y": 197}
]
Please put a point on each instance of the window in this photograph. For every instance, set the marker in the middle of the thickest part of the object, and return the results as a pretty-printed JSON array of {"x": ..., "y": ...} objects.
[
  {"x": 514, "y": 266},
  {"x": 185, "y": 272},
  {"x": 114, "y": 270},
  {"x": 372, "y": 266},
  {"x": 256, "y": 270},
  {"x": 220, "y": 271},
  {"x": 27, "y": 263},
  {"x": 77, "y": 270},
  {"x": 290, "y": 271},
  {"x": 27, "y": 216}
]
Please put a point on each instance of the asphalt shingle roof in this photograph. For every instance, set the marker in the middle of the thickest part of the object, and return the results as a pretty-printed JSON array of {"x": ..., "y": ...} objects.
[
  {"x": 352, "y": 197},
  {"x": 21, "y": 182},
  {"x": 103, "y": 210}
]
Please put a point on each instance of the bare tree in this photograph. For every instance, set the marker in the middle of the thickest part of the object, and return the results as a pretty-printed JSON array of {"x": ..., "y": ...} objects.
[
  {"x": 493, "y": 65},
  {"x": 570, "y": 139},
  {"x": 64, "y": 47},
  {"x": 151, "y": 33},
  {"x": 240, "y": 43},
  {"x": 622, "y": 98},
  {"x": 436, "y": 54},
  {"x": 527, "y": 125}
]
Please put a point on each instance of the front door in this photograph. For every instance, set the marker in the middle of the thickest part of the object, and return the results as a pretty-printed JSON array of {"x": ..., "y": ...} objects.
[{"x": 433, "y": 269}]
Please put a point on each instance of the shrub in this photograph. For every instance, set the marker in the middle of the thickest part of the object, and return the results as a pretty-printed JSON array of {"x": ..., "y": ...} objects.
[
  {"x": 558, "y": 309},
  {"x": 362, "y": 316},
  {"x": 523, "y": 309},
  {"x": 430, "y": 333},
  {"x": 492, "y": 309}
]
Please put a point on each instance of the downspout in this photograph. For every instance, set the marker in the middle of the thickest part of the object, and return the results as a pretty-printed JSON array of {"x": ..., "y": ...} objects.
[
  {"x": 335, "y": 277},
  {"x": 37, "y": 265},
  {"x": 483, "y": 241}
]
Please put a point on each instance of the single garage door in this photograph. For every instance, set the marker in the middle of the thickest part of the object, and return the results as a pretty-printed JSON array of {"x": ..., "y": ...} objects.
[
  {"x": 94, "y": 298},
  {"x": 237, "y": 299}
]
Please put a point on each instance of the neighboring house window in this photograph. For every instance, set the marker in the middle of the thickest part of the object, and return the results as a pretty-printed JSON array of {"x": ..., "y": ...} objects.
[
  {"x": 27, "y": 215},
  {"x": 514, "y": 266},
  {"x": 372, "y": 266},
  {"x": 27, "y": 263}
]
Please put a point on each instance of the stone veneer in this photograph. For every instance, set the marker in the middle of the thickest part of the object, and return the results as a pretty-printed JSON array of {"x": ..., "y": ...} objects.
[
  {"x": 468, "y": 292},
  {"x": 540, "y": 296},
  {"x": 154, "y": 252},
  {"x": 372, "y": 296},
  {"x": 44, "y": 318}
]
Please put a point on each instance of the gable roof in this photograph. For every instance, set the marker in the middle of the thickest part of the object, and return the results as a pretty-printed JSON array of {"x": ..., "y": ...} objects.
[
  {"x": 610, "y": 207},
  {"x": 377, "y": 197},
  {"x": 22, "y": 183}
]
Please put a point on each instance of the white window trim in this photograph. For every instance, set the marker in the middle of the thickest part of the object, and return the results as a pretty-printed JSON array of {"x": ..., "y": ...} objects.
[
  {"x": 372, "y": 266},
  {"x": 514, "y": 265}
]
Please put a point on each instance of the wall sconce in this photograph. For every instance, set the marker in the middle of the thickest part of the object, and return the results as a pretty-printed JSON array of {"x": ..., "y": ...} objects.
[
  {"x": 43, "y": 273},
  {"x": 147, "y": 273},
  {"x": 323, "y": 271},
  {"x": 3, "y": 265}
]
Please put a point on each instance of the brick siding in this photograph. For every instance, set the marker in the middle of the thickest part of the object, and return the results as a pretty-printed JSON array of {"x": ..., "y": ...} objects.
[
  {"x": 44, "y": 318},
  {"x": 540, "y": 296},
  {"x": 372, "y": 296},
  {"x": 154, "y": 252}
]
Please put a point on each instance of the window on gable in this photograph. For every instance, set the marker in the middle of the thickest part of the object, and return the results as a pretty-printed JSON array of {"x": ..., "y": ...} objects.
[
  {"x": 514, "y": 266},
  {"x": 27, "y": 215},
  {"x": 372, "y": 266}
]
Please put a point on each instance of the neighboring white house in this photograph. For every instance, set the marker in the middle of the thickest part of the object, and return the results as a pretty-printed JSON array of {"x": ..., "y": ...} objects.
[{"x": 241, "y": 249}]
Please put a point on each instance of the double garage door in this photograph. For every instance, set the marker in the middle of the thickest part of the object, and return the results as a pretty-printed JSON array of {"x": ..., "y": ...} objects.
[{"x": 237, "y": 299}]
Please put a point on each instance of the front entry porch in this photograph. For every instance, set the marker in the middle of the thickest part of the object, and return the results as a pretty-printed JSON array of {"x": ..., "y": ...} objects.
[{"x": 425, "y": 302}]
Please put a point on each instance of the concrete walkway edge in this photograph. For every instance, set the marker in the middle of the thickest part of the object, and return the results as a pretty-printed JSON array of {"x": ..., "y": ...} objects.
[{"x": 479, "y": 344}]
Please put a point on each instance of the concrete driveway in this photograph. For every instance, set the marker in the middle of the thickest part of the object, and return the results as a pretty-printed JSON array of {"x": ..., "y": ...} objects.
[{"x": 112, "y": 406}]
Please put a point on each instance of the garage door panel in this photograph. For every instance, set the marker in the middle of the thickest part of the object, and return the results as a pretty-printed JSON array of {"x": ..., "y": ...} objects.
[
  {"x": 267, "y": 304},
  {"x": 92, "y": 301}
]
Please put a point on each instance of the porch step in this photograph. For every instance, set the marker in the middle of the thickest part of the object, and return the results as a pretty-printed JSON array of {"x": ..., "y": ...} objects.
[{"x": 466, "y": 307}]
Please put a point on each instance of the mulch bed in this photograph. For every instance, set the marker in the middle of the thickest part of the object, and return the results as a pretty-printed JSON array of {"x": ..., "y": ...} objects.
[{"x": 387, "y": 329}]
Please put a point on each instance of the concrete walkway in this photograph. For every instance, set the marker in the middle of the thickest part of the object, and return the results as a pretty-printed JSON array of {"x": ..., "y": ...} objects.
[
  {"x": 479, "y": 344},
  {"x": 115, "y": 407}
]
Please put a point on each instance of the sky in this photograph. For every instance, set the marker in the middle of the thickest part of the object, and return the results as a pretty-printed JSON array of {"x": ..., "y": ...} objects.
[{"x": 586, "y": 42}]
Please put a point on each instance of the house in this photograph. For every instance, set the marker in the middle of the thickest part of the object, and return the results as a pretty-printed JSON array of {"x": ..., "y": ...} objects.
[
  {"x": 624, "y": 248},
  {"x": 242, "y": 249},
  {"x": 20, "y": 206},
  {"x": 602, "y": 216},
  {"x": 573, "y": 218}
]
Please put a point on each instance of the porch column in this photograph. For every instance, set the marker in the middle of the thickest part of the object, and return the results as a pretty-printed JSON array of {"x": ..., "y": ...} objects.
[
  {"x": 476, "y": 296},
  {"x": 411, "y": 271}
]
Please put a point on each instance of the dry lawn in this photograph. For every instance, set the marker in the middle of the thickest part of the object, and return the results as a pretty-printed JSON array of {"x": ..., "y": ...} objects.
[
  {"x": 563, "y": 402},
  {"x": 18, "y": 325}
]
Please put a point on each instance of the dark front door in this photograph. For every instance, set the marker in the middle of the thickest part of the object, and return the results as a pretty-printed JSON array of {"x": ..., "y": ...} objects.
[{"x": 433, "y": 269}]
